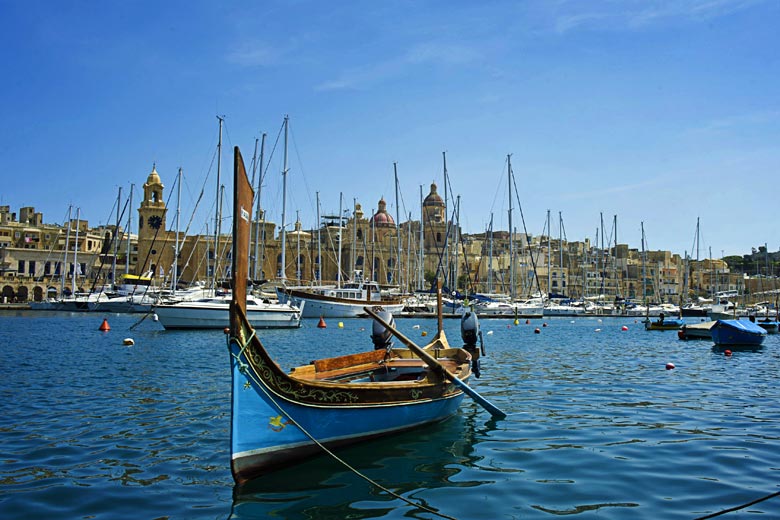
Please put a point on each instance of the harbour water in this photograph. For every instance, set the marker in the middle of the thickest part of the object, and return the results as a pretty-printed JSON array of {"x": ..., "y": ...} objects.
[{"x": 597, "y": 426}]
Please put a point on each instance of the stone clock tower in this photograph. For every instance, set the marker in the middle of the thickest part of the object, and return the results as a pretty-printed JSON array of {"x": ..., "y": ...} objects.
[
  {"x": 151, "y": 214},
  {"x": 151, "y": 225}
]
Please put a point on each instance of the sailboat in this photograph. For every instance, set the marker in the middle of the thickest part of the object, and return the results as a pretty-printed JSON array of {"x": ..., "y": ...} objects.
[
  {"x": 212, "y": 311},
  {"x": 280, "y": 418}
]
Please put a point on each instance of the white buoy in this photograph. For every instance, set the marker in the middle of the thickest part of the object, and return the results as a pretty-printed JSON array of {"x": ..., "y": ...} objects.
[
  {"x": 490, "y": 333},
  {"x": 128, "y": 341},
  {"x": 154, "y": 317},
  {"x": 416, "y": 327},
  {"x": 597, "y": 330}
]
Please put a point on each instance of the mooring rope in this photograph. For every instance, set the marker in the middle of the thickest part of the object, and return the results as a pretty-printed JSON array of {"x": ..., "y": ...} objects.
[
  {"x": 243, "y": 367},
  {"x": 737, "y": 508}
]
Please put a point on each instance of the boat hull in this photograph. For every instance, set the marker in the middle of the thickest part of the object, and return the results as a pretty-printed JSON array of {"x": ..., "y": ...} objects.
[
  {"x": 697, "y": 331},
  {"x": 269, "y": 423},
  {"x": 771, "y": 327},
  {"x": 318, "y": 306},
  {"x": 193, "y": 316},
  {"x": 737, "y": 332},
  {"x": 667, "y": 324}
]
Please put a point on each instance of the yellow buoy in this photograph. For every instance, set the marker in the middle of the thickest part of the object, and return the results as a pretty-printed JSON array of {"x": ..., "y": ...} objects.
[{"x": 341, "y": 324}]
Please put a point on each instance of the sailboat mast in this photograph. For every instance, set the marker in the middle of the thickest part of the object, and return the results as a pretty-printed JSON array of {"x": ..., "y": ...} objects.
[
  {"x": 284, "y": 204},
  {"x": 63, "y": 270},
  {"x": 490, "y": 256},
  {"x": 560, "y": 249},
  {"x": 420, "y": 268},
  {"x": 455, "y": 229},
  {"x": 218, "y": 209},
  {"x": 338, "y": 274},
  {"x": 297, "y": 247},
  {"x": 129, "y": 223},
  {"x": 549, "y": 256},
  {"x": 116, "y": 238},
  {"x": 353, "y": 249},
  {"x": 618, "y": 288},
  {"x": 409, "y": 253},
  {"x": 76, "y": 250},
  {"x": 397, "y": 228},
  {"x": 447, "y": 220},
  {"x": 319, "y": 242},
  {"x": 644, "y": 280},
  {"x": 258, "y": 213},
  {"x": 175, "y": 277},
  {"x": 511, "y": 242}
]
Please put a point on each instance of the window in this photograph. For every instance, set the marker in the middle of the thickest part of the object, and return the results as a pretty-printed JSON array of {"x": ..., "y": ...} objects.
[
  {"x": 31, "y": 267},
  {"x": 20, "y": 267}
]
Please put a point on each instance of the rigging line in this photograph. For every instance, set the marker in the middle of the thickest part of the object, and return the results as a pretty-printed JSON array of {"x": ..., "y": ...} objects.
[
  {"x": 243, "y": 367},
  {"x": 103, "y": 248},
  {"x": 737, "y": 508},
  {"x": 525, "y": 230},
  {"x": 300, "y": 165},
  {"x": 271, "y": 156}
]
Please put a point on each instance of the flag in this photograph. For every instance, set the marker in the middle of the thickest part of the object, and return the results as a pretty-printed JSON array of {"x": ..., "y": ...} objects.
[{"x": 28, "y": 239}]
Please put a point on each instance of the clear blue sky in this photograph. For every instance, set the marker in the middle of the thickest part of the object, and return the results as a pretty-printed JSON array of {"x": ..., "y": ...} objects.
[{"x": 651, "y": 110}]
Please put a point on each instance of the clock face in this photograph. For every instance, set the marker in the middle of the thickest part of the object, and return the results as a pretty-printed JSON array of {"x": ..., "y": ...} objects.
[{"x": 155, "y": 222}]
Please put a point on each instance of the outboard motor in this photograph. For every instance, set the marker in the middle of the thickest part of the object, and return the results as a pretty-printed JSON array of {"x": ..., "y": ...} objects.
[
  {"x": 469, "y": 328},
  {"x": 469, "y": 332},
  {"x": 380, "y": 335}
]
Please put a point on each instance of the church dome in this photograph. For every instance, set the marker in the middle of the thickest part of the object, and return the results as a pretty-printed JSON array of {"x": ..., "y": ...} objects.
[
  {"x": 382, "y": 218},
  {"x": 433, "y": 198}
]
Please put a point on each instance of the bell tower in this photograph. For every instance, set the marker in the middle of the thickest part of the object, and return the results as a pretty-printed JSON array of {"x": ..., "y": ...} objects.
[{"x": 151, "y": 214}]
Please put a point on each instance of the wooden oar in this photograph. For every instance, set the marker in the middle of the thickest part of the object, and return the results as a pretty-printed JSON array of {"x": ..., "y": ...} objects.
[{"x": 440, "y": 369}]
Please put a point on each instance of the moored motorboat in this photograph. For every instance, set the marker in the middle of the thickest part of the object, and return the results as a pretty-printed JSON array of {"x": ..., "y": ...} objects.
[
  {"x": 696, "y": 330},
  {"x": 770, "y": 326},
  {"x": 214, "y": 313},
  {"x": 737, "y": 332},
  {"x": 663, "y": 323},
  {"x": 346, "y": 301}
]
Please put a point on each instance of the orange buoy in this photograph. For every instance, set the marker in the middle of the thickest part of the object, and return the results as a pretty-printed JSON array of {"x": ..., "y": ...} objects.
[
  {"x": 321, "y": 324},
  {"x": 624, "y": 328},
  {"x": 226, "y": 330},
  {"x": 104, "y": 326},
  {"x": 727, "y": 352}
]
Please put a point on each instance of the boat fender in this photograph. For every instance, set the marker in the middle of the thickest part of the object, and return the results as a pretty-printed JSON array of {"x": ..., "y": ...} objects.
[{"x": 380, "y": 335}]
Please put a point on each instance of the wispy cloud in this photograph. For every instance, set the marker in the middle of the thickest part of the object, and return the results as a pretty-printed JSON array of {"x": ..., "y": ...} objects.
[
  {"x": 632, "y": 14},
  {"x": 427, "y": 53},
  {"x": 611, "y": 190},
  {"x": 255, "y": 54},
  {"x": 739, "y": 121}
]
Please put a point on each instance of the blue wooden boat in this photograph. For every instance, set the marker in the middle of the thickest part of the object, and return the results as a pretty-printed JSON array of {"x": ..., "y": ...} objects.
[
  {"x": 280, "y": 418},
  {"x": 737, "y": 332}
]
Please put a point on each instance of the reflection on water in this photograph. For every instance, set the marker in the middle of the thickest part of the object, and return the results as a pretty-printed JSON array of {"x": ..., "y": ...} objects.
[{"x": 596, "y": 427}]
